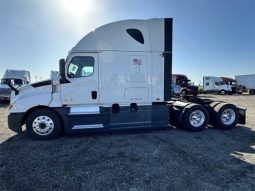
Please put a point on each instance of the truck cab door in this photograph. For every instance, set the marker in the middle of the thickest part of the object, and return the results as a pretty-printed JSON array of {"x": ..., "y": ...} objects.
[
  {"x": 217, "y": 86},
  {"x": 82, "y": 75}
]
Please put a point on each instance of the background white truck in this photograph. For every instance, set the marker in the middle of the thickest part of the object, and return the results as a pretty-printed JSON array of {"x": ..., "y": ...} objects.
[
  {"x": 236, "y": 88},
  {"x": 16, "y": 78},
  {"x": 116, "y": 77},
  {"x": 248, "y": 81},
  {"x": 213, "y": 84}
]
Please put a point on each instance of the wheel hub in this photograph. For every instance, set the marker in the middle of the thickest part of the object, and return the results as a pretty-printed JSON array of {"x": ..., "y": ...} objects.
[
  {"x": 43, "y": 125},
  {"x": 228, "y": 116},
  {"x": 197, "y": 118}
]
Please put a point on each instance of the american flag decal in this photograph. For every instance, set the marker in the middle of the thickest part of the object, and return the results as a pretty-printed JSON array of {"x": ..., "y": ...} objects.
[{"x": 137, "y": 61}]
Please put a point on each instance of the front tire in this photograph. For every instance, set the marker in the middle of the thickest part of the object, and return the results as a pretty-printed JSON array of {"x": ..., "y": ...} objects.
[
  {"x": 222, "y": 92},
  {"x": 43, "y": 124}
]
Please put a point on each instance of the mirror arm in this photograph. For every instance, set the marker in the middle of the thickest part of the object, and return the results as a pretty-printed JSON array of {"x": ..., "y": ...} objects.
[{"x": 13, "y": 88}]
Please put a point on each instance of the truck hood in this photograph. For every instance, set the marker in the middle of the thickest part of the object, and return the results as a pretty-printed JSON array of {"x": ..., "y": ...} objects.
[
  {"x": 193, "y": 86},
  {"x": 41, "y": 83},
  {"x": 34, "y": 86},
  {"x": 33, "y": 90},
  {"x": 4, "y": 87},
  {"x": 32, "y": 95}
]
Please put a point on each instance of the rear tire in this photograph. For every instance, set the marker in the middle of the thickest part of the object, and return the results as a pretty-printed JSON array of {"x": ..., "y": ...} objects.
[
  {"x": 195, "y": 118},
  {"x": 226, "y": 116},
  {"x": 222, "y": 92},
  {"x": 43, "y": 124}
]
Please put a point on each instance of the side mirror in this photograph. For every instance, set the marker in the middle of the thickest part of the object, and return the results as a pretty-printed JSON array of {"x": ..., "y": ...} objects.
[{"x": 62, "y": 68}]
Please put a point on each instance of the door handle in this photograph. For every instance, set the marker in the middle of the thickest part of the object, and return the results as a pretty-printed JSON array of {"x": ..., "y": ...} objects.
[{"x": 94, "y": 94}]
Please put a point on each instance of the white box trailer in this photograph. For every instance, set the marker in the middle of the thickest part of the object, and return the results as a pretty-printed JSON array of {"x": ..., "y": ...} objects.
[
  {"x": 248, "y": 81},
  {"x": 116, "y": 77}
]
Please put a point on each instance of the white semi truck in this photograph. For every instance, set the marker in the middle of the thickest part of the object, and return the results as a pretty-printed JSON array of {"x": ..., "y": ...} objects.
[
  {"x": 16, "y": 78},
  {"x": 248, "y": 81},
  {"x": 213, "y": 84},
  {"x": 116, "y": 77}
]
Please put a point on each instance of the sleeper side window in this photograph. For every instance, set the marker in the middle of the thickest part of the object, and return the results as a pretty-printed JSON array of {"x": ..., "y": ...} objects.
[
  {"x": 136, "y": 34},
  {"x": 81, "y": 66}
]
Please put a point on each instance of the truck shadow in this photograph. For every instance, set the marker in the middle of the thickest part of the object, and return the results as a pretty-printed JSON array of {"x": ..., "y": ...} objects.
[
  {"x": 208, "y": 96},
  {"x": 248, "y": 95},
  {"x": 25, "y": 163}
]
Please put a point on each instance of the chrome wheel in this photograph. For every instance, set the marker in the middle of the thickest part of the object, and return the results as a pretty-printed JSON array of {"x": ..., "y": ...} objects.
[
  {"x": 228, "y": 116},
  {"x": 197, "y": 118},
  {"x": 43, "y": 125}
]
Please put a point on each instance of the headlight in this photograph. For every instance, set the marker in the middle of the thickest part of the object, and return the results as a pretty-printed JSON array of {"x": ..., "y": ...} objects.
[{"x": 10, "y": 107}]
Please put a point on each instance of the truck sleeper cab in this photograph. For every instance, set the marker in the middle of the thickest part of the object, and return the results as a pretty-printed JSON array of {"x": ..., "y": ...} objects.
[{"x": 116, "y": 77}]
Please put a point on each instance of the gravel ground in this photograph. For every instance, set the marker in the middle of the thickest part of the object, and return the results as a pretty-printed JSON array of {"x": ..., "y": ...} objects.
[{"x": 171, "y": 159}]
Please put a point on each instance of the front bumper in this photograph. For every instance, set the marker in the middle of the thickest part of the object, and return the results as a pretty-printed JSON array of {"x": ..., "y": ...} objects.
[
  {"x": 5, "y": 95},
  {"x": 4, "y": 98},
  {"x": 15, "y": 122}
]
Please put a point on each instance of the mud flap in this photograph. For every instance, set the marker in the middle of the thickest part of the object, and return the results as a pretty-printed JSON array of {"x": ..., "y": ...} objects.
[{"x": 242, "y": 117}]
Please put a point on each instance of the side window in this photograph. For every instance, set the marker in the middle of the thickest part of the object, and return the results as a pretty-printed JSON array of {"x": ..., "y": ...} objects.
[
  {"x": 81, "y": 66},
  {"x": 18, "y": 82},
  {"x": 217, "y": 83},
  {"x": 136, "y": 34},
  {"x": 207, "y": 84},
  {"x": 222, "y": 83}
]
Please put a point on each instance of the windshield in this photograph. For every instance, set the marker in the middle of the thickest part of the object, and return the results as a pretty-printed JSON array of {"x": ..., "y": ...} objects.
[
  {"x": 4, "y": 81},
  {"x": 17, "y": 82},
  {"x": 222, "y": 83},
  {"x": 185, "y": 82}
]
